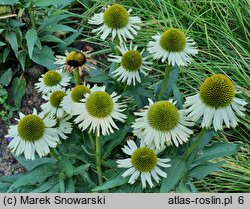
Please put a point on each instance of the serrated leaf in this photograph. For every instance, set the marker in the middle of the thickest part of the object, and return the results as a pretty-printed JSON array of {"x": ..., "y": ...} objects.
[
  {"x": 217, "y": 149},
  {"x": 117, "y": 180},
  {"x": 174, "y": 174},
  {"x": 44, "y": 57},
  {"x": 31, "y": 37},
  {"x": 201, "y": 171},
  {"x": 39, "y": 174},
  {"x": 18, "y": 89},
  {"x": 5, "y": 77}
]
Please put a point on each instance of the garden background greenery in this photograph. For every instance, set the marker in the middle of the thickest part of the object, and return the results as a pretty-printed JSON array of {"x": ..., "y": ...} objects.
[{"x": 32, "y": 32}]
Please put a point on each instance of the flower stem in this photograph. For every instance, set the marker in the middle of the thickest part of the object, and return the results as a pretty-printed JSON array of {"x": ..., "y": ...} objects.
[
  {"x": 117, "y": 52},
  {"x": 92, "y": 141},
  {"x": 76, "y": 76},
  {"x": 53, "y": 154},
  {"x": 98, "y": 159},
  {"x": 194, "y": 145},
  {"x": 165, "y": 82}
]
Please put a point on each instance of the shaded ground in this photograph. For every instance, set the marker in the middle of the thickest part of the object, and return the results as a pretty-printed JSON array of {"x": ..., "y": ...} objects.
[{"x": 8, "y": 164}]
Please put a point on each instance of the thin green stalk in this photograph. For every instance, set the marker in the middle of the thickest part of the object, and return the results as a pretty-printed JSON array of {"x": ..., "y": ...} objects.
[
  {"x": 117, "y": 52},
  {"x": 165, "y": 82},
  {"x": 98, "y": 159},
  {"x": 76, "y": 77},
  {"x": 53, "y": 154},
  {"x": 32, "y": 17},
  {"x": 92, "y": 141},
  {"x": 194, "y": 145}
]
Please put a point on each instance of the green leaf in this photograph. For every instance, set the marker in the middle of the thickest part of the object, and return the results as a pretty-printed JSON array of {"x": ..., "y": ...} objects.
[
  {"x": 175, "y": 173},
  {"x": 3, "y": 92},
  {"x": 39, "y": 174},
  {"x": 12, "y": 40},
  {"x": 5, "y": 77},
  {"x": 114, "y": 140},
  {"x": 217, "y": 149},
  {"x": 31, "y": 37},
  {"x": 70, "y": 39},
  {"x": 60, "y": 28},
  {"x": 98, "y": 78},
  {"x": 202, "y": 143},
  {"x": 2, "y": 43},
  {"x": 42, "y": 3},
  {"x": 11, "y": 179},
  {"x": 18, "y": 89},
  {"x": 70, "y": 187},
  {"x": 21, "y": 58},
  {"x": 80, "y": 169},
  {"x": 8, "y": 2},
  {"x": 6, "y": 52},
  {"x": 178, "y": 96},
  {"x": 47, "y": 185},
  {"x": 53, "y": 20},
  {"x": 117, "y": 180},
  {"x": 201, "y": 171},
  {"x": 51, "y": 38},
  {"x": 44, "y": 57},
  {"x": 182, "y": 187},
  {"x": 31, "y": 164},
  {"x": 65, "y": 165}
]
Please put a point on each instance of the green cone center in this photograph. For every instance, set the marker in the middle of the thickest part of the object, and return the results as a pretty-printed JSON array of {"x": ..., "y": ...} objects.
[
  {"x": 78, "y": 92},
  {"x": 144, "y": 159},
  {"x": 76, "y": 59},
  {"x": 99, "y": 104},
  {"x": 132, "y": 60},
  {"x": 31, "y": 128},
  {"x": 56, "y": 97},
  {"x": 163, "y": 116},
  {"x": 173, "y": 40},
  {"x": 217, "y": 91},
  {"x": 52, "y": 78},
  {"x": 116, "y": 16}
]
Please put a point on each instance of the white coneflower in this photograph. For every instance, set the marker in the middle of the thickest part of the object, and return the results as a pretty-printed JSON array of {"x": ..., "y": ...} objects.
[
  {"x": 98, "y": 110},
  {"x": 75, "y": 60},
  {"x": 33, "y": 133},
  {"x": 216, "y": 102},
  {"x": 132, "y": 63},
  {"x": 144, "y": 163},
  {"x": 174, "y": 46},
  {"x": 64, "y": 127},
  {"x": 161, "y": 123},
  {"x": 53, "y": 104},
  {"x": 116, "y": 20},
  {"x": 52, "y": 80},
  {"x": 75, "y": 95}
]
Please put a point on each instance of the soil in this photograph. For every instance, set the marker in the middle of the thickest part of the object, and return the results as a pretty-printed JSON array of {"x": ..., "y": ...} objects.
[{"x": 31, "y": 100}]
